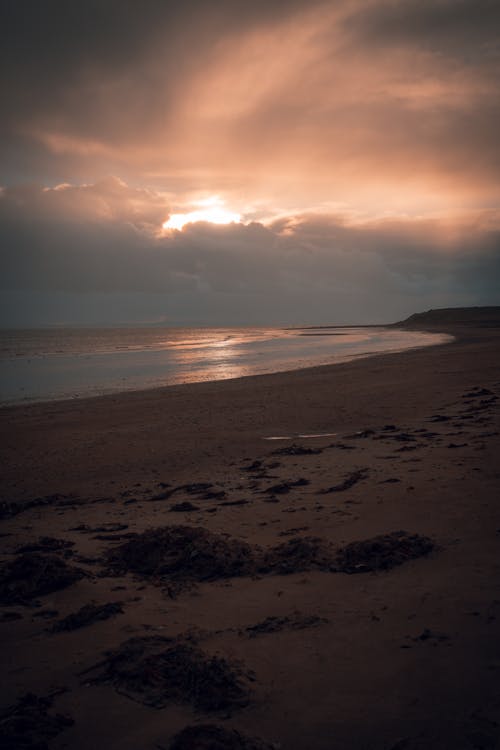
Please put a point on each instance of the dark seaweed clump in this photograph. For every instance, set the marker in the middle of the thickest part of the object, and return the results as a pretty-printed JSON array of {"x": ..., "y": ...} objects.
[
  {"x": 382, "y": 552},
  {"x": 297, "y": 555},
  {"x": 183, "y": 553},
  {"x": 184, "y": 507},
  {"x": 276, "y": 624},
  {"x": 213, "y": 737},
  {"x": 33, "y": 574},
  {"x": 179, "y": 556},
  {"x": 157, "y": 671},
  {"x": 87, "y": 615},
  {"x": 296, "y": 450},
  {"x": 10, "y": 509},
  {"x": 347, "y": 483},
  {"x": 28, "y": 726},
  {"x": 47, "y": 544}
]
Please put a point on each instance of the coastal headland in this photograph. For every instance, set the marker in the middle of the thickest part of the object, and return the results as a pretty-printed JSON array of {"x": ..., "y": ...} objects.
[{"x": 305, "y": 560}]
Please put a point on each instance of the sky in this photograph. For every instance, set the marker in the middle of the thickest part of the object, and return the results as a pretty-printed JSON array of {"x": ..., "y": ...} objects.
[{"x": 279, "y": 162}]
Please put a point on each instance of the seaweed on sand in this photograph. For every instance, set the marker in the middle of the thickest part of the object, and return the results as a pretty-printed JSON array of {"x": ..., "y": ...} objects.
[
  {"x": 276, "y": 624},
  {"x": 47, "y": 544},
  {"x": 178, "y": 556},
  {"x": 297, "y": 555},
  {"x": 87, "y": 615},
  {"x": 10, "y": 509},
  {"x": 349, "y": 481},
  {"x": 382, "y": 552},
  {"x": 283, "y": 488},
  {"x": 33, "y": 574},
  {"x": 296, "y": 450},
  {"x": 158, "y": 671},
  {"x": 182, "y": 553},
  {"x": 27, "y": 725},
  {"x": 185, "y": 507}
]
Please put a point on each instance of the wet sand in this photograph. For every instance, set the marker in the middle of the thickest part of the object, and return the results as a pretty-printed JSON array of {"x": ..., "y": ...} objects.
[{"x": 396, "y": 649}]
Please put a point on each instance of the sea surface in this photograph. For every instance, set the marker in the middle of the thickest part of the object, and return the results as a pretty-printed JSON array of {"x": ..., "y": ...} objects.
[{"x": 49, "y": 364}]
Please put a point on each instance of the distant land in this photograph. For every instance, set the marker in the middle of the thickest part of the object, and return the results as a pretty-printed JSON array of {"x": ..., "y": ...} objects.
[
  {"x": 479, "y": 317},
  {"x": 476, "y": 317}
]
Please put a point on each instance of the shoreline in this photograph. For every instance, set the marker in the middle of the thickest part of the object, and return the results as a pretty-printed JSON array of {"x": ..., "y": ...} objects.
[
  {"x": 223, "y": 412},
  {"x": 341, "y": 662},
  {"x": 29, "y": 401}
]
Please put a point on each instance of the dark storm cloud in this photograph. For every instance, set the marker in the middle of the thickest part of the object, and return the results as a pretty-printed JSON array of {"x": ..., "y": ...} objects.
[
  {"x": 255, "y": 95},
  {"x": 299, "y": 269},
  {"x": 106, "y": 71},
  {"x": 466, "y": 29},
  {"x": 287, "y": 109}
]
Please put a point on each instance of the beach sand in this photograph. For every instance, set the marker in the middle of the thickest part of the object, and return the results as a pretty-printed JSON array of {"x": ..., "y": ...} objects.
[{"x": 295, "y": 639}]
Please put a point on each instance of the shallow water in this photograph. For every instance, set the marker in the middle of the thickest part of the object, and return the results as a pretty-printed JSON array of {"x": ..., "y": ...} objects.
[{"x": 38, "y": 365}]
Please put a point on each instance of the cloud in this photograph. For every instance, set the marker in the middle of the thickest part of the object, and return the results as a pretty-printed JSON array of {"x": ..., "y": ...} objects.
[
  {"x": 378, "y": 104},
  {"x": 90, "y": 79},
  {"x": 367, "y": 126},
  {"x": 302, "y": 269},
  {"x": 109, "y": 200},
  {"x": 457, "y": 28}
]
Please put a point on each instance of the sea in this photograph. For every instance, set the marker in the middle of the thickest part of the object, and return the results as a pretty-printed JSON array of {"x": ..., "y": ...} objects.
[{"x": 70, "y": 363}]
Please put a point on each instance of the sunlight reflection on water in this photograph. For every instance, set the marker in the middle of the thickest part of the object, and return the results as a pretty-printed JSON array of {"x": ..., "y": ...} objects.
[{"x": 52, "y": 364}]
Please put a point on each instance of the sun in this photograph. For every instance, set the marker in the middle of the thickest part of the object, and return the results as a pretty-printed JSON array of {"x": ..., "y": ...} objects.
[{"x": 211, "y": 210}]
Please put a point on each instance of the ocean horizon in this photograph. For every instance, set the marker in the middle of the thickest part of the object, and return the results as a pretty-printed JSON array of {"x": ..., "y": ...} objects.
[{"x": 58, "y": 363}]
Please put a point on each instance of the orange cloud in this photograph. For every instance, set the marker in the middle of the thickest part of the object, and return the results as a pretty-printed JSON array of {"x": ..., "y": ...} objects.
[{"x": 380, "y": 105}]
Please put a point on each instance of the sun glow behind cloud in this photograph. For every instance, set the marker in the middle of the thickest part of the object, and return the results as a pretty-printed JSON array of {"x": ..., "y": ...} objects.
[
  {"x": 211, "y": 210},
  {"x": 335, "y": 158}
]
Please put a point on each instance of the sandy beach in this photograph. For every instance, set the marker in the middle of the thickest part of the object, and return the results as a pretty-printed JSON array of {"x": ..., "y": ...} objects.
[{"x": 224, "y": 585}]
